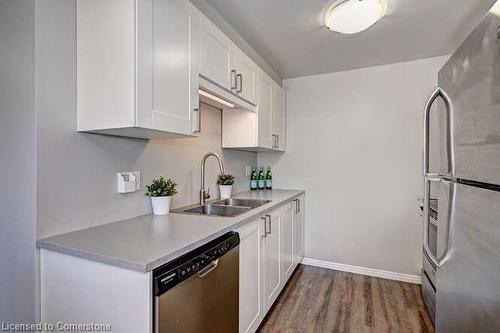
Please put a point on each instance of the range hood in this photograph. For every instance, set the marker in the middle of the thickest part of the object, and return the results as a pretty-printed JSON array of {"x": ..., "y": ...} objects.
[{"x": 217, "y": 96}]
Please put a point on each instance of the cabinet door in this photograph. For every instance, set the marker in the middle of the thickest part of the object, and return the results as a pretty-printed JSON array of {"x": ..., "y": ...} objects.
[
  {"x": 171, "y": 109},
  {"x": 215, "y": 53},
  {"x": 298, "y": 229},
  {"x": 195, "y": 69},
  {"x": 287, "y": 257},
  {"x": 278, "y": 118},
  {"x": 264, "y": 110},
  {"x": 105, "y": 64},
  {"x": 244, "y": 72},
  {"x": 271, "y": 258},
  {"x": 250, "y": 276}
]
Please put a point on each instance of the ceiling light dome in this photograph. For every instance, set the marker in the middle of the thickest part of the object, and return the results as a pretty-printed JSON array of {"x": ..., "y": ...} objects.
[{"x": 353, "y": 16}]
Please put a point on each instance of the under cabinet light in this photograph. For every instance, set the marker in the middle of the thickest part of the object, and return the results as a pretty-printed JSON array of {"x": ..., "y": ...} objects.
[{"x": 215, "y": 98}]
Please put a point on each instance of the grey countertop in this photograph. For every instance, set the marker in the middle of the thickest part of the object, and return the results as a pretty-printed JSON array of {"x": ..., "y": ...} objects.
[{"x": 146, "y": 242}]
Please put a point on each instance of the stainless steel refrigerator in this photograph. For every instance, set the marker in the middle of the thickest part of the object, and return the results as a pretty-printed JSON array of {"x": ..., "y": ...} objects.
[{"x": 462, "y": 186}]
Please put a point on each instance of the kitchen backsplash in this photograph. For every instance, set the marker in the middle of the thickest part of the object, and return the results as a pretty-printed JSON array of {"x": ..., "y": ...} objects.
[{"x": 79, "y": 172}]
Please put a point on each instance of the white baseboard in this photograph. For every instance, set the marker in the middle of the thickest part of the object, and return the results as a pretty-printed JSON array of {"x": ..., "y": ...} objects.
[{"x": 363, "y": 270}]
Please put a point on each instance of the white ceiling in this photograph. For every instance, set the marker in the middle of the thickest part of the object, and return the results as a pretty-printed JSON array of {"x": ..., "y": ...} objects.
[{"x": 291, "y": 37}]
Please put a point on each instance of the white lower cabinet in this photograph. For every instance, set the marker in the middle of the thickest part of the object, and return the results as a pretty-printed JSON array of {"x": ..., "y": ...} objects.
[
  {"x": 250, "y": 276},
  {"x": 75, "y": 290},
  {"x": 287, "y": 259},
  {"x": 270, "y": 250},
  {"x": 298, "y": 229},
  {"x": 272, "y": 258}
]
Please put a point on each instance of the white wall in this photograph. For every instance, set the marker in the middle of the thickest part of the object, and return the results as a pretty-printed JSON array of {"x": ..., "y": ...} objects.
[
  {"x": 17, "y": 162},
  {"x": 355, "y": 145},
  {"x": 76, "y": 172}
]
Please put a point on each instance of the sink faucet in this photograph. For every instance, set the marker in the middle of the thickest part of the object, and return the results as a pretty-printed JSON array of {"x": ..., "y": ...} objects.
[{"x": 204, "y": 195}]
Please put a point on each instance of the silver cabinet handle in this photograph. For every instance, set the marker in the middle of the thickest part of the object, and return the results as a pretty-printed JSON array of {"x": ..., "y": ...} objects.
[
  {"x": 205, "y": 271},
  {"x": 297, "y": 206},
  {"x": 240, "y": 77},
  {"x": 439, "y": 92},
  {"x": 198, "y": 129},
  {"x": 264, "y": 218},
  {"x": 275, "y": 140},
  {"x": 270, "y": 228},
  {"x": 427, "y": 191},
  {"x": 233, "y": 79}
]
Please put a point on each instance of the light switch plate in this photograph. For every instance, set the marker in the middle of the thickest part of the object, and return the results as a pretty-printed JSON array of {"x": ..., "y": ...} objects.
[{"x": 248, "y": 170}]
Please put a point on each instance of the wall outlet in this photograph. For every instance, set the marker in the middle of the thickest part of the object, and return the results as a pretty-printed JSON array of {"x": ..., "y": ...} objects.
[
  {"x": 248, "y": 170},
  {"x": 128, "y": 182}
]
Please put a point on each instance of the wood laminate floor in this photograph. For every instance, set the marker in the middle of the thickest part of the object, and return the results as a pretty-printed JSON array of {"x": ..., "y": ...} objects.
[{"x": 323, "y": 300}]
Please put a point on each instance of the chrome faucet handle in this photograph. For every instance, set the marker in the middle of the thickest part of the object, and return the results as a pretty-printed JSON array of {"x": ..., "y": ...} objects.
[{"x": 207, "y": 194}]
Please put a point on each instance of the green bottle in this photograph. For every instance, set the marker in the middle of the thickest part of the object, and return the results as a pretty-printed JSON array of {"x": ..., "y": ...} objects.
[
  {"x": 261, "y": 184},
  {"x": 269, "y": 179},
  {"x": 253, "y": 180}
]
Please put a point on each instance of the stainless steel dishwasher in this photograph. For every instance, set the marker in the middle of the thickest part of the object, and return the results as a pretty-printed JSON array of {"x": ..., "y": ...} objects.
[{"x": 199, "y": 292}]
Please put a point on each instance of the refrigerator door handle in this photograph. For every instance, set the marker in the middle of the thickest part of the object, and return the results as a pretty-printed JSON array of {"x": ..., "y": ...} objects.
[
  {"x": 427, "y": 250},
  {"x": 439, "y": 92},
  {"x": 437, "y": 262},
  {"x": 449, "y": 221}
]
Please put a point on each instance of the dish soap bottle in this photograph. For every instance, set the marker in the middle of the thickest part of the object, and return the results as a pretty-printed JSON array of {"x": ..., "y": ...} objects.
[
  {"x": 269, "y": 179},
  {"x": 253, "y": 180},
  {"x": 261, "y": 184}
]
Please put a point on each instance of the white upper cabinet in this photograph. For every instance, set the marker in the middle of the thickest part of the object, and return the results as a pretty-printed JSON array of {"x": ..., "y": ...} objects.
[
  {"x": 141, "y": 63},
  {"x": 137, "y": 68},
  {"x": 215, "y": 54},
  {"x": 278, "y": 119},
  {"x": 244, "y": 76},
  {"x": 261, "y": 131},
  {"x": 224, "y": 64},
  {"x": 171, "y": 67},
  {"x": 264, "y": 113}
]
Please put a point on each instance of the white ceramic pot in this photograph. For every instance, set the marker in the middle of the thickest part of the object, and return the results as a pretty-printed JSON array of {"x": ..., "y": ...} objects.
[
  {"x": 161, "y": 205},
  {"x": 225, "y": 191}
]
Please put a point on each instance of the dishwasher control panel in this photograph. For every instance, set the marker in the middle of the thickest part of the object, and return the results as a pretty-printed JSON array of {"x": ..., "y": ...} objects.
[{"x": 173, "y": 273}]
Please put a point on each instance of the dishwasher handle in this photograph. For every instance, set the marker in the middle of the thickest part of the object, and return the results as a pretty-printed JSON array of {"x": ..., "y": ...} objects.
[{"x": 207, "y": 270}]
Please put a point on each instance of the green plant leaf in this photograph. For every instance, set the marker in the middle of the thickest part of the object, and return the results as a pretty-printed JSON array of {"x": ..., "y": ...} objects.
[
  {"x": 225, "y": 179},
  {"x": 161, "y": 187}
]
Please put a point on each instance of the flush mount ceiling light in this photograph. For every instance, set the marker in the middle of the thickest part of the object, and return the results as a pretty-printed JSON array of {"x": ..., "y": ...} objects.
[{"x": 353, "y": 16}]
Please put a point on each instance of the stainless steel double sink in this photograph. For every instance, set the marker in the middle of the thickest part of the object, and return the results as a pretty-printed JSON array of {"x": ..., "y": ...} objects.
[{"x": 226, "y": 208}]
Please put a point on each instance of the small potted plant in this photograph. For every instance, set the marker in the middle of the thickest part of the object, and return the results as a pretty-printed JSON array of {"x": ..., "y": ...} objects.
[
  {"x": 161, "y": 191},
  {"x": 225, "y": 182}
]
